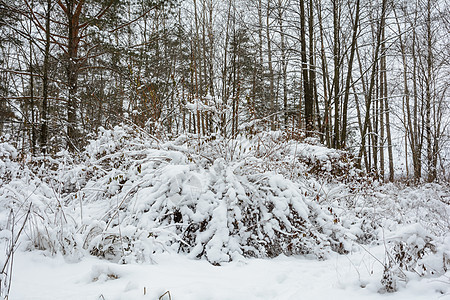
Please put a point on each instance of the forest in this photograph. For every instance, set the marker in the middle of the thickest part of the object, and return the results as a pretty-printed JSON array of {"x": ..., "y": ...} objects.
[
  {"x": 226, "y": 130},
  {"x": 369, "y": 77}
]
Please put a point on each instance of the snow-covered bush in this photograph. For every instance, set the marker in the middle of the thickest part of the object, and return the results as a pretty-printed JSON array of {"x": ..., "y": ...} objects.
[
  {"x": 413, "y": 251},
  {"x": 164, "y": 196},
  {"x": 130, "y": 195},
  {"x": 8, "y": 164}
]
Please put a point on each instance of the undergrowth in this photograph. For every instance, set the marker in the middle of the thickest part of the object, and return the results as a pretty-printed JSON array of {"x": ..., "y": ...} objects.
[{"x": 129, "y": 196}]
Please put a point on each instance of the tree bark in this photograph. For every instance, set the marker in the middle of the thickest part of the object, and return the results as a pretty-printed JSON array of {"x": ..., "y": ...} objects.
[
  {"x": 372, "y": 82},
  {"x": 271, "y": 74},
  {"x": 283, "y": 63},
  {"x": 325, "y": 79},
  {"x": 337, "y": 66},
  {"x": 428, "y": 98},
  {"x": 349, "y": 73},
  {"x": 72, "y": 10},
  {"x": 308, "y": 96},
  {"x": 44, "y": 112}
]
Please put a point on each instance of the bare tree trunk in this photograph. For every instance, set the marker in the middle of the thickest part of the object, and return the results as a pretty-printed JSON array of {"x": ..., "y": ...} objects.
[
  {"x": 386, "y": 113},
  {"x": 417, "y": 132},
  {"x": 197, "y": 70},
  {"x": 349, "y": 73},
  {"x": 283, "y": 62},
  {"x": 410, "y": 127},
  {"x": 382, "y": 99},
  {"x": 271, "y": 75},
  {"x": 374, "y": 130},
  {"x": 360, "y": 125},
  {"x": 44, "y": 112},
  {"x": 211, "y": 49},
  {"x": 389, "y": 137},
  {"x": 312, "y": 68},
  {"x": 308, "y": 96},
  {"x": 372, "y": 81},
  {"x": 33, "y": 119},
  {"x": 325, "y": 79},
  {"x": 337, "y": 65},
  {"x": 205, "y": 81},
  {"x": 428, "y": 82},
  {"x": 225, "y": 92}
]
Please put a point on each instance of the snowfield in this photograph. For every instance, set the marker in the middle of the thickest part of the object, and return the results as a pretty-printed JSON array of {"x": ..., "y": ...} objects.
[
  {"x": 355, "y": 276},
  {"x": 258, "y": 217}
]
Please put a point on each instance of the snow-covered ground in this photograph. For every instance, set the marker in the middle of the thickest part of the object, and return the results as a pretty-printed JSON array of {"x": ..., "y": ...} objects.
[
  {"x": 262, "y": 217},
  {"x": 353, "y": 276}
]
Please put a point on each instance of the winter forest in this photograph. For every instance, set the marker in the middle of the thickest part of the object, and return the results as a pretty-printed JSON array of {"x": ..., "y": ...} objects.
[{"x": 224, "y": 149}]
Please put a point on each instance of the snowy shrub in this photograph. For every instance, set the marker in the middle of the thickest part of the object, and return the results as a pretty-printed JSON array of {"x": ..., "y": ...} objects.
[
  {"x": 206, "y": 205},
  {"x": 232, "y": 199},
  {"x": 412, "y": 250},
  {"x": 8, "y": 164},
  {"x": 389, "y": 280},
  {"x": 129, "y": 196}
]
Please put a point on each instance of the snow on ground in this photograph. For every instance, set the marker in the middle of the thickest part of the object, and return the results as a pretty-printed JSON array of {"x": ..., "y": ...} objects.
[
  {"x": 353, "y": 276},
  {"x": 134, "y": 214}
]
